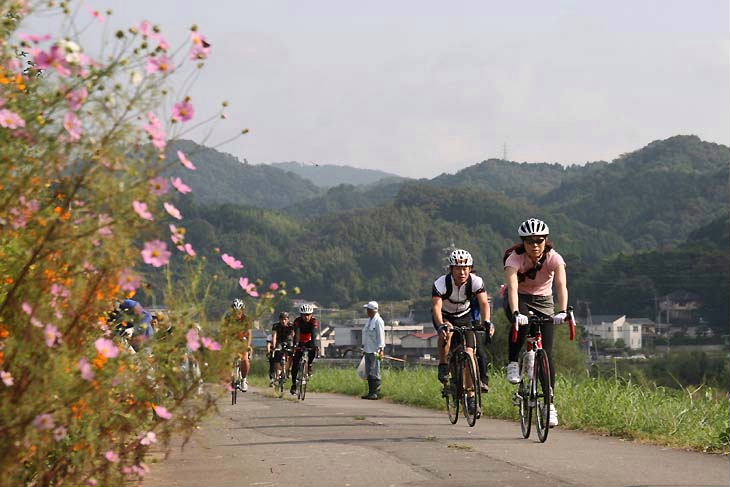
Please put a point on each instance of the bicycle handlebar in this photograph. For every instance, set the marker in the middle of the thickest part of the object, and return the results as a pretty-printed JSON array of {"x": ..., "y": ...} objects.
[{"x": 533, "y": 318}]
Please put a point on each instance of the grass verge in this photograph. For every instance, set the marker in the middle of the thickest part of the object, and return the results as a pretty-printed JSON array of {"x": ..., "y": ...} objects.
[{"x": 678, "y": 418}]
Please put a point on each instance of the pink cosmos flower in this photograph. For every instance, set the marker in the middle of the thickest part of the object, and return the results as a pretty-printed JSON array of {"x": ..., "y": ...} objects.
[
  {"x": 210, "y": 344},
  {"x": 112, "y": 456},
  {"x": 183, "y": 111},
  {"x": 201, "y": 47},
  {"x": 155, "y": 253},
  {"x": 181, "y": 186},
  {"x": 193, "y": 339},
  {"x": 185, "y": 161},
  {"x": 232, "y": 262},
  {"x": 162, "y": 412},
  {"x": 274, "y": 286},
  {"x": 36, "y": 322},
  {"x": 249, "y": 287},
  {"x": 107, "y": 347},
  {"x": 160, "y": 185},
  {"x": 44, "y": 422},
  {"x": 174, "y": 212},
  {"x": 177, "y": 234},
  {"x": 54, "y": 58},
  {"x": 35, "y": 38},
  {"x": 87, "y": 372},
  {"x": 147, "y": 28},
  {"x": 93, "y": 482},
  {"x": 104, "y": 229},
  {"x": 98, "y": 15},
  {"x": 77, "y": 98},
  {"x": 60, "y": 433},
  {"x": 10, "y": 119},
  {"x": 129, "y": 280},
  {"x": 53, "y": 336},
  {"x": 163, "y": 44},
  {"x": 6, "y": 377},
  {"x": 27, "y": 308},
  {"x": 156, "y": 130},
  {"x": 188, "y": 249},
  {"x": 61, "y": 291},
  {"x": 149, "y": 438},
  {"x": 142, "y": 210},
  {"x": 73, "y": 125},
  {"x": 159, "y": 64}
]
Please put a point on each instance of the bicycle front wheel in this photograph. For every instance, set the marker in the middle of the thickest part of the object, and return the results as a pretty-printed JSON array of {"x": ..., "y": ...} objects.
[
  {"x": 452, "y": 393},
  {"x": 524, "y": 393},
  {"x": 469, "y": 390},
  {"x": 303, "y": 378},
  {"x": 544, "y": 396}
]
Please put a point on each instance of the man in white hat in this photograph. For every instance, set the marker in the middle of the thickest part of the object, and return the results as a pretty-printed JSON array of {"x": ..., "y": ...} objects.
[{"x": 373, "y": 342}]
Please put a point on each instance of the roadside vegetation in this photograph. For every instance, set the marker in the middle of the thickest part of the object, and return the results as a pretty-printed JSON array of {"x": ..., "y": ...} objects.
[{"x": 695, "y": 418}]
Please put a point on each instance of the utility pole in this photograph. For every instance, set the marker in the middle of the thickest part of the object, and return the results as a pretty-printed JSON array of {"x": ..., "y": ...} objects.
[{"x": 504, "y": 151}]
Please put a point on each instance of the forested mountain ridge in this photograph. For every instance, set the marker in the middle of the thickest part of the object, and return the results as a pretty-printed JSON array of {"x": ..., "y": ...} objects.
[
  {"x": 223, "y": 178},
  {"x": 387, "y": 241},
  {"x": 330, "y": 175},
  {"x": 653, "y": 196}
]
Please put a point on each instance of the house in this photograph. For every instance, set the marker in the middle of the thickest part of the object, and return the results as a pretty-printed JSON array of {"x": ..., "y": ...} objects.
[
  {"x": 420, "y": 344},
  {"x": 679, "y": 307},
  {"x": 346, "y": 338},
  {"x": 614, "y": 328}
]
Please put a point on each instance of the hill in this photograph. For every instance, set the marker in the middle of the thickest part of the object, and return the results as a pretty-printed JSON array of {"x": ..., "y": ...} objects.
[
  {"x": 330, "y": 175},
  {"x": 656, "y": 195},
  {"x": 222, "y": 178}
]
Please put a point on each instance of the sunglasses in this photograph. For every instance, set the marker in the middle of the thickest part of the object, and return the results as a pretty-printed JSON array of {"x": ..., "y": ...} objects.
[{"x": 535, "y": 241}]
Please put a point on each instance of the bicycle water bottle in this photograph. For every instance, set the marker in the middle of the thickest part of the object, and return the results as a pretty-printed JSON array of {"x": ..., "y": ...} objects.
[{"x": 529, "y": 364}]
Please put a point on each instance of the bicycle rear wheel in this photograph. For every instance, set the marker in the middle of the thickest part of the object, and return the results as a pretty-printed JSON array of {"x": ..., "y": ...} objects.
[
  {"x": 235, "y": 381},
  {"x": 452, "y": 393},
  {"x": 543, "y": 398},
  {"x": 303, "y": 377},
  {"x": 469, "y": 376},
  {"x": 524, "y": 391},
  {"x": 280, "y": 383}
]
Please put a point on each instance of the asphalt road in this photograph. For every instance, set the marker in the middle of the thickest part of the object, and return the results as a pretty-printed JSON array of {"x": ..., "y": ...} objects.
[{"x": 337, "y": 440}]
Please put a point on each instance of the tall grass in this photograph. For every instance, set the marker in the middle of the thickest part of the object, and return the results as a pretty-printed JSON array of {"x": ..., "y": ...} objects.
[{"x": 679, "y": 418}]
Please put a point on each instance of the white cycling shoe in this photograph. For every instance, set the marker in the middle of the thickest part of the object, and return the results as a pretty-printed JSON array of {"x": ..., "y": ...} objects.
[
  {"x": 553, "y": 421},
  {"x": 244, "y": 385},
  {"x": 513, "y": 372}
]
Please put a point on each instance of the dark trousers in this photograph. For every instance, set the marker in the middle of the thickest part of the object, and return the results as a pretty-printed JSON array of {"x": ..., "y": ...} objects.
[
  {"x": 311, "y": 351},
  {"x": 537, "y": 304}
]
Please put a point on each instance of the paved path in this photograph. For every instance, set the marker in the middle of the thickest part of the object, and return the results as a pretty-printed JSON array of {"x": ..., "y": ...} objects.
[{"x": 337, "y": 440}]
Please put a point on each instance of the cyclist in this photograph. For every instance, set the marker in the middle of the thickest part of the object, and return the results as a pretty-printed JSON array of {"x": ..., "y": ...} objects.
[
  {"x": 134, "y": 322},
  {"x": 306, "y": 336},
  {"x": 452, "y": 297},
  {"x": 282, "y": 337},
  {"x": 530, "y": 268},
  {"x": 237, "y": 325}
]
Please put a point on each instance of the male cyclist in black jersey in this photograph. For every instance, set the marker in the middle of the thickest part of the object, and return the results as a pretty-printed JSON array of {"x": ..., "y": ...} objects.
[
  {"x": 452, "y": 304},
  {"x": 306, "y": 338},
  {"x": 282, "y": 337}
]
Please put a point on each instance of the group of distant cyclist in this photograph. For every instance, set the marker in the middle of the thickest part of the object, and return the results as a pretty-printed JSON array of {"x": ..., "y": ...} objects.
[{"x": 532, "y": 268}]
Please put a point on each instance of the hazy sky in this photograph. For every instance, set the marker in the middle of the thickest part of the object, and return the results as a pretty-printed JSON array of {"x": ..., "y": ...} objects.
[{"x": 424, "y": 87}]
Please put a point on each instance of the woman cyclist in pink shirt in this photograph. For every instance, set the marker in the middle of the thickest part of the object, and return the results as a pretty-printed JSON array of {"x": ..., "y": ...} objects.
[{"x": 531, "y": 269}]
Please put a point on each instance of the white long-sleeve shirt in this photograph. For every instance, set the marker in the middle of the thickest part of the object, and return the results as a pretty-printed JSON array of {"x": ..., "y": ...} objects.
[{"x": 373, "y": 334}]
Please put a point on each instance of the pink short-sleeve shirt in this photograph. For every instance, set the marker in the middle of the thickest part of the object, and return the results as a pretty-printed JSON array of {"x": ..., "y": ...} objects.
[{"x": 542, "y": 285}]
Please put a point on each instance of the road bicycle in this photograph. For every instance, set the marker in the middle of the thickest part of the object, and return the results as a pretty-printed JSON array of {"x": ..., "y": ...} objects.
[
  {"x": 281, "y": 375},
  {"x": 463, "y": 382},
  {"x": 535, "y": 391},
  {"x": 236, "y": 379},
  {"x": 303, "y": 374}
]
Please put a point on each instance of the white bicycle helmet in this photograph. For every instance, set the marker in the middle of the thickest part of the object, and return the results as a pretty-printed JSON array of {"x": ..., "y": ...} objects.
[
  {"x": 460, "y": 257},
  {"x": 238, "y": 304},
  {"x": 533, "y": 226},
  {"x": 306, "y": 309}
]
